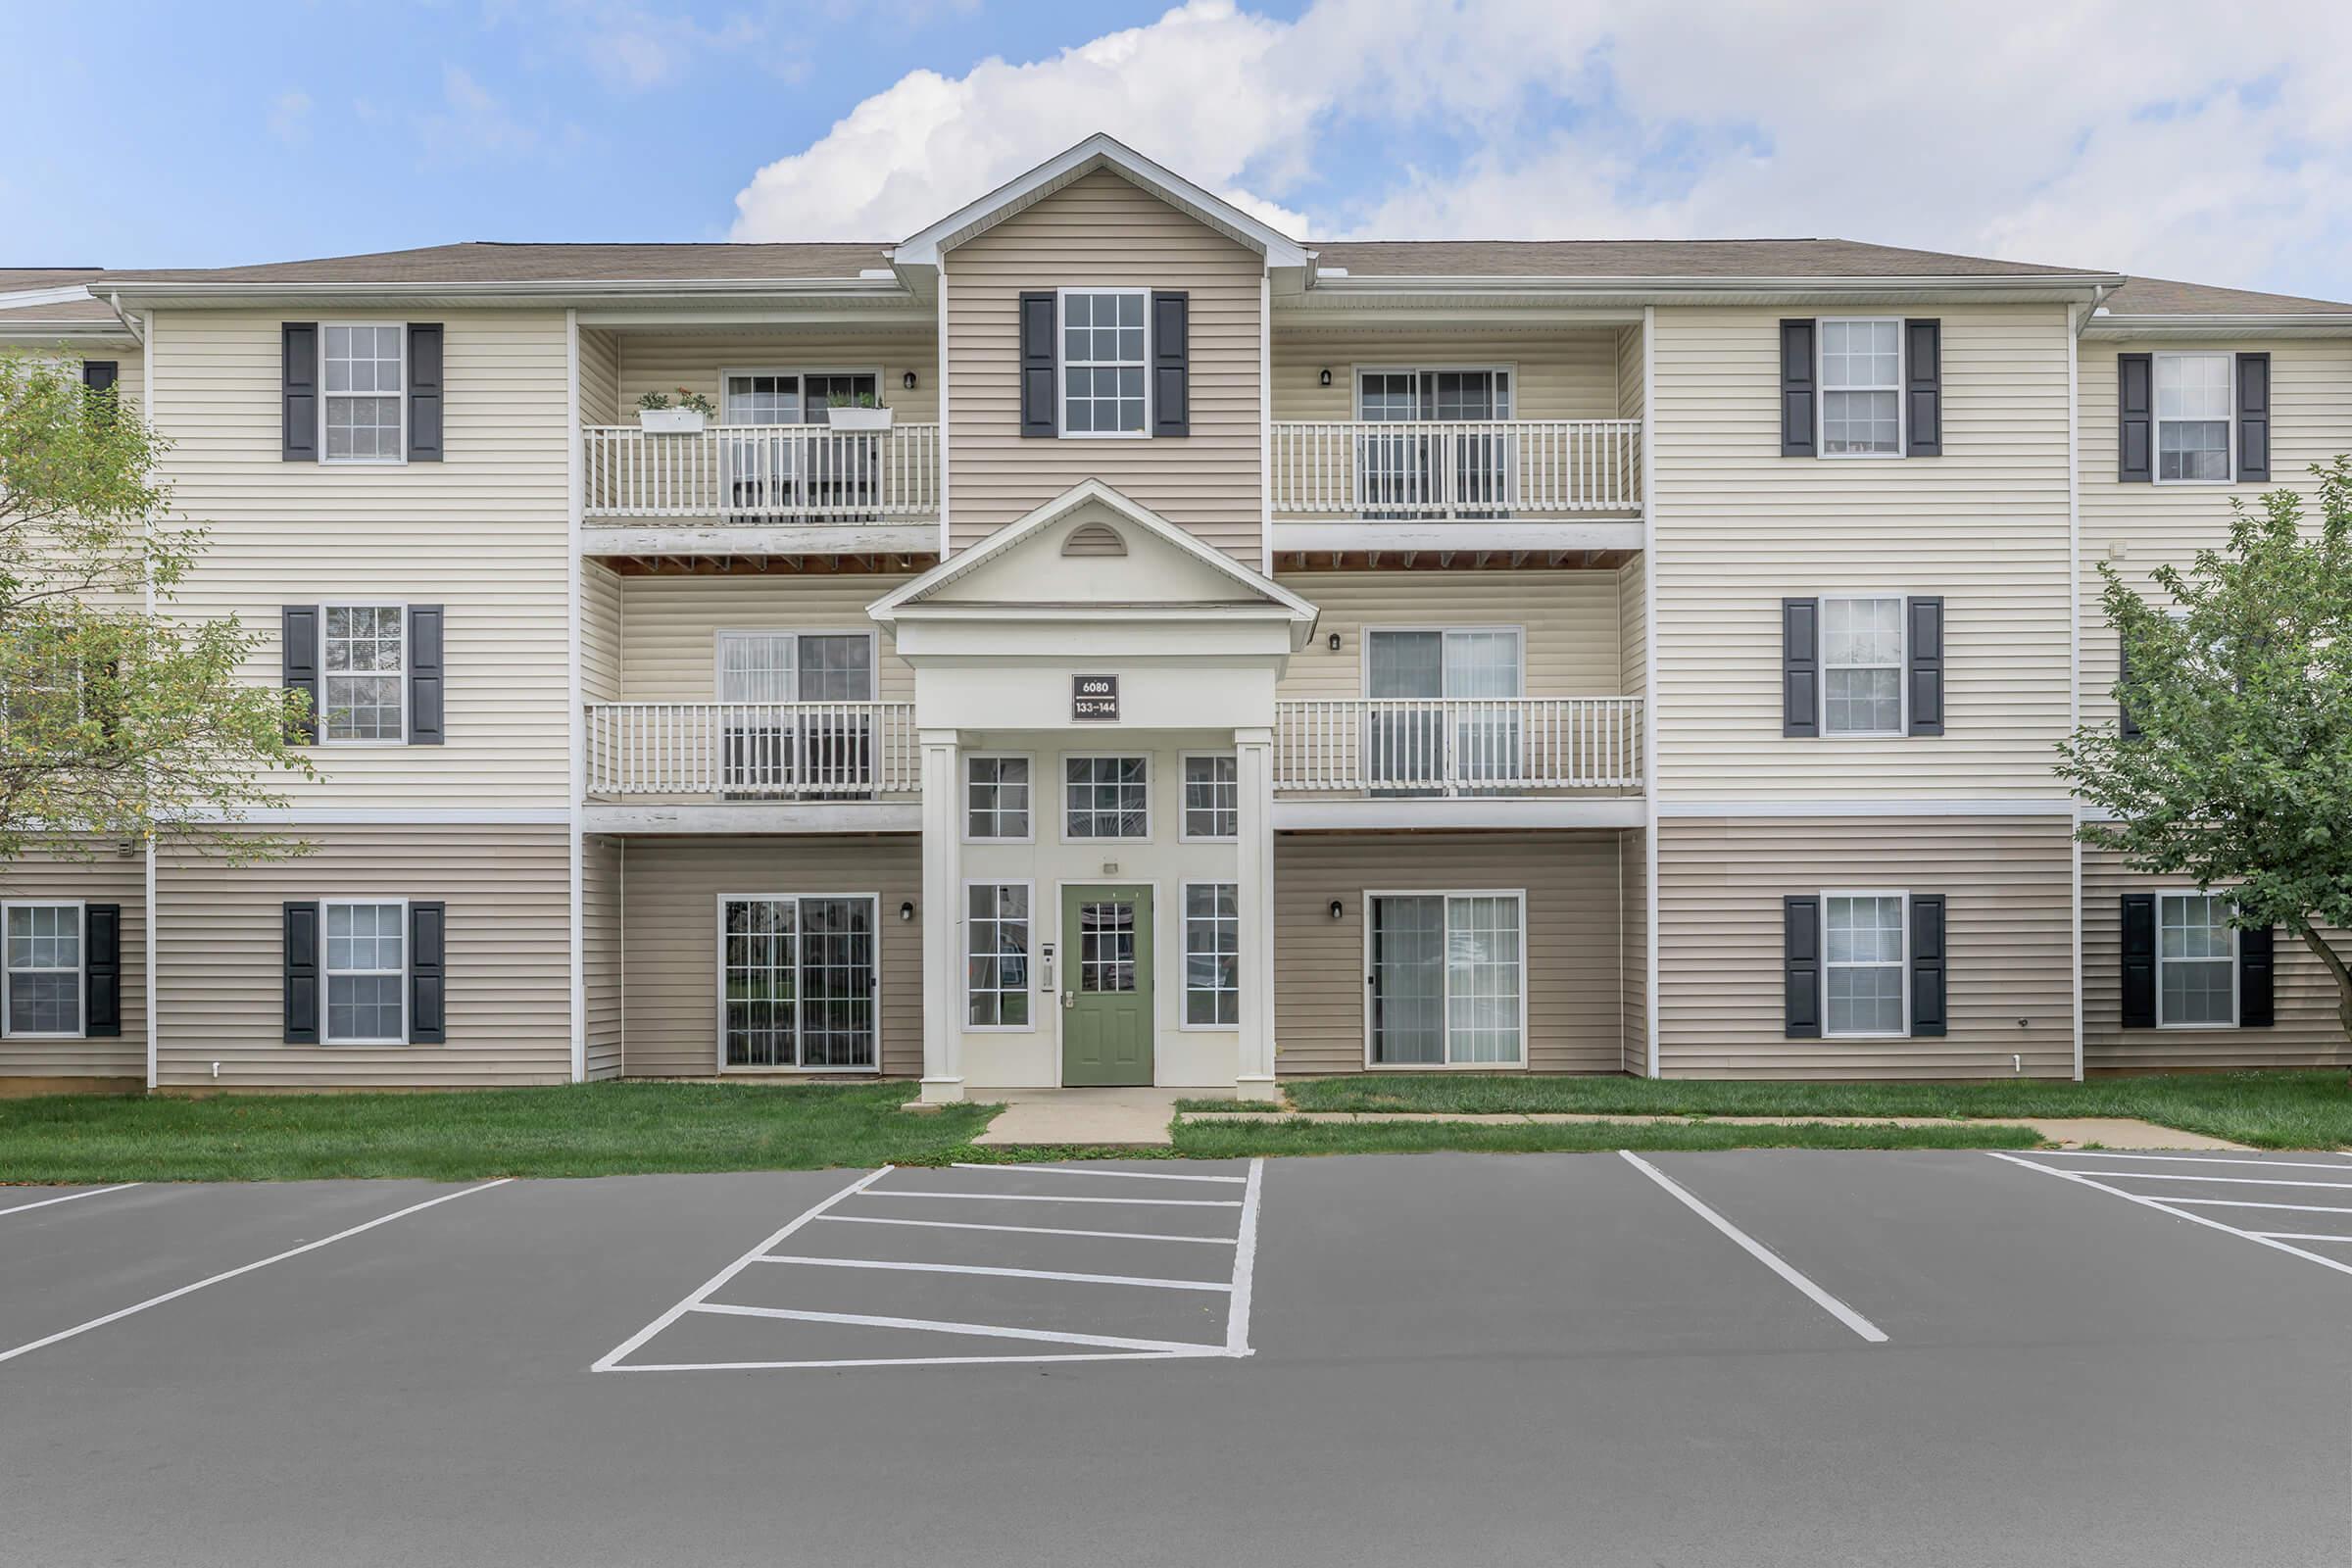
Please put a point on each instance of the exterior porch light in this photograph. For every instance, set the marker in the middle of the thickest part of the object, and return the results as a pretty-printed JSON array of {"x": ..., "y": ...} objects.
[
  {"x": 907, "y": 910},
  {"x": 1335, "y": 642},
  {"x": 1336, "y": 910},
  {"x": 1325, "y": 378}
]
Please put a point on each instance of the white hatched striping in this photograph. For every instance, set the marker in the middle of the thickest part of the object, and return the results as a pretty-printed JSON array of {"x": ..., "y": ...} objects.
[
  {"x": 2186, "y": 1159},
  {"x": 1023, "y": 1230},
  {"x": 1124, "y": 1175},
  {"x": 990, "y": 1331},
  {"x": 2176, "y": 1208},
  {"x": 996, "y": 1273},
  {"x": 1057, "y": 1198}
]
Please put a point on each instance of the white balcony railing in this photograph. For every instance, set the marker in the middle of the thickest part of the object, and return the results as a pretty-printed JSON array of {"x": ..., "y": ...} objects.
[
  {"x": 1459, "y": 746},
  {"x": 1456, "y": 469},
  {"x": 754, "y": 751},
  {"x": 758, "y": 474}
]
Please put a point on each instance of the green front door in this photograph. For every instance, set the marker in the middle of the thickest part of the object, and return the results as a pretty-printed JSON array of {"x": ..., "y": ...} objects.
[{"x": 1107, "y": 984}]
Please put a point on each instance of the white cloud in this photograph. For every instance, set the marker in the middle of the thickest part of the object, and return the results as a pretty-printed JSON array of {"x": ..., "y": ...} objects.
[
  {"x": 473, "y": 124},
  {"x": 289, "y": 119},
  {"x": 2091, "y": 134}
]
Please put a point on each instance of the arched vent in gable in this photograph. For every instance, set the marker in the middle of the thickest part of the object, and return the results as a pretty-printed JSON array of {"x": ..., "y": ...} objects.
[{"x": 1093, "y": 539}]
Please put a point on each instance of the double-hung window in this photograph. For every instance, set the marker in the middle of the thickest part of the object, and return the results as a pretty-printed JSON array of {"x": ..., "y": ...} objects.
[
  {"x": 1864, "y": 951},
  {"x": 2197, "y": 962},
  {"x": 364, "y": 674},
  {"x": 363, "y": 408},
  {"x": 996, "y": 799},
  {"x": 1212, "y": 954},
  {"x": 366, "y": 971},
  {"x": 1212, "y": 797},
  {"x": 1862, "y": 665},
  {"x": 1106, "y": 798},
  {"x": 1861, "y": 388},
  {"x": 2193, "y": 418},
  {"x": 996, "y": 959},
  {"x": 1105, "y": 369},
  {"x": 44, "y": 970},
  {"x": 799, "y": 983},
  {"x": 1447, "y": 979}
]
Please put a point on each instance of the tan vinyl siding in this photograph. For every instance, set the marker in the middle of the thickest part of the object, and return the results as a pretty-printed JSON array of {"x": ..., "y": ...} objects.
[
  {"x": 600, "y": 377},
  {"x": 670, "y": 628},
  {"x": 1632, "y": 631},
  {"x": 1102, "y": 231},
  {"x": 602, "y": 601},
  {"x": 2008, "y": 883},
  {"x": 663, "y": 363},
  {"x": 1574, "y": 1020},
  {"x": 1740, "y": 527},
  {"x": 483, "y": 533},
  {"x": 601, "y": 892},
  {"x": 1556, "y": 374},
  {"x": 2138, "y": 527},
  {"x": 1629, "y": 373},
  {"x": 106, "y": 878},
  {"x": 671, "y": 926},
  {"x": 1633, "y": 872},
  {"x": 1569, "y": 623},
  {"x": 221, "y": 958},
  {"x": 2306, "y": 1035}
]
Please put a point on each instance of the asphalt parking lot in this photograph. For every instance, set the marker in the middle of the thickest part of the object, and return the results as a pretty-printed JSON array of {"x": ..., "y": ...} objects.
[{"x": 1766, "y": 1358}]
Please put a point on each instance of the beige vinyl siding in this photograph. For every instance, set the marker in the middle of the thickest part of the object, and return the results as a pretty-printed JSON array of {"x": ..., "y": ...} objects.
[
  {"x": 1740, "y": 527},
  {"x": 1569, "y": 623},
  {"x": 1632, "y": 874},
  {"x": 1629, "y": 373},
  {"x": 1571, "y": 970},
  {"x": 2306, "y": 1035},
  {"x": 670, "y": 626},
  {"x": 106, "y": 878},
  {"x": 483, "y": 533},
  {"x": 600, "y": 377},
  {"x": 221, "y": 958},
  {"x": 2008, "y": 885},
  {"x": 1556, "y": 374},
  {"x": 698, "y": 360},
  {"x": 671, "y": 936},
  {"x": 2138, "y": 527},
  {"x": 601, "y": 892},
  {"x": 603, "y": 598},
  {"x": 1632, "y": 629},
  {"x": 1102, "y": 231}
]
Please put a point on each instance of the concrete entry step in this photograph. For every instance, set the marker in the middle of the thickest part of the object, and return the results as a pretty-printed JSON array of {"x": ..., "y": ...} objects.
[{"x": 1133, "y": 1118}]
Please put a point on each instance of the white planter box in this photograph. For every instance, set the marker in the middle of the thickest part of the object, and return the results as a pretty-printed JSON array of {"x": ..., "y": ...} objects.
[
  {"x": 670, "y": 421},
  {"x": 858, "y": 419}
]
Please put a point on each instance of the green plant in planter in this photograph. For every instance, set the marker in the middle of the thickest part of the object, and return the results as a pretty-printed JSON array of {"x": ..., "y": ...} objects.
[
  {"x": 687, "y": 398},
  {"x": 854, "y": 400}
]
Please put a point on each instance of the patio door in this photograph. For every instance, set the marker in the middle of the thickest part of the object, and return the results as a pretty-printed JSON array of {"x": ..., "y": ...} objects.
[
  {"x": 796, "y": 722},
  {"x": 1446, "y": 473},
  {"x": 1447, "y": 716},
  {"x": 1447, "y": 979},
  {"x": 770, "y": 472},
  {"x": 798, "y": 981}
]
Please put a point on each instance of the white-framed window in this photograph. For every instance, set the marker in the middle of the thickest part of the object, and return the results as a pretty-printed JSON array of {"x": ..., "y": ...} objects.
[
  {"x": 799, "y": 981},
  {"x": 997, "y": 798},
  {"x": 366, "y": 971},
  {"x": 43, "y": 977},
  {"x": 790, "y": 396},
  {"x": 1447, "y": 979},
  {"x": 1862, "y": 664},
  {"x": 2194, "y": 399},
  {"x": 2197, "y": 962},
  {"x": 1866, "y": 966},
  {"x": 364, "y": 674},
  {"x": 1106, "y": 797},
  {"x": 996, "y": 956},
  {"x": 1105, "y": 362},
  {"x": 1213, "y": 798},
  {"x": 364, "y": 403},
  {"x": 1862, "y": 387},
  {"x": 1213, "y": 955}
]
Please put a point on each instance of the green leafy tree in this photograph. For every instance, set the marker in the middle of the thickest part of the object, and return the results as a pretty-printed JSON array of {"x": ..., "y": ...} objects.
[
  {"x": 2240, "y": 776},
  {"x": 117, "y": 720}
]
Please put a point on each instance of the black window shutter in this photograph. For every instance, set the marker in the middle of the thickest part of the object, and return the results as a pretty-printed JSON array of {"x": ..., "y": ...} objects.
[
  {"x": 1171, "y": 363},
  {"x": 1800, "y": 957},
  {"x": 2125, "y": 726},
  {"x": 425, "y": 392},
  {"x": 1796, "y": 389},
  {"x": 1801, "y": 667},
  {"x": 2135, "y": 417},
  {"x": 1926, "y": 965},
  {"x": 426, "y": 726},
  {"x": 2140, "y": 961},
  {"x": 1039, "y": 363},
  {"x": 298, "y": 659},
  {"x": 301, "y": 973},
  {"x": 428, "y": 983},
  {"x": 1922, "y": 389},
  {"x": 2254, "y": 418},
  {"x": 299, "y": 391},
  {"x": 1923, "y": 647},
  {"x": 2257, "y": 958},
  {"x": 102, "y": 970}
]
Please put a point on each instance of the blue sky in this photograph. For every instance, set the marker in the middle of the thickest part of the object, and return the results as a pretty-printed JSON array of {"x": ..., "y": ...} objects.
[{"x": 2109, "y": 134}]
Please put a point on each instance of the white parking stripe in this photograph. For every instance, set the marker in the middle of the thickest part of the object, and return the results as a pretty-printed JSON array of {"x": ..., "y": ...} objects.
[
  {"x": 2188, "y": 1159},
  {"x": 1760, "y": 1252},
  {"x": 230, "y": 1274},
  {"x": 2300, "y": 1236},
  {"x": 96, "y": 1192},
  {"x": 2172, "y": 1209},
  {"x": 2233, "y": 1181},
  {"x": 1059, "y": 1197},
  {"x": 2251, "y": 1202},
  {"x": 1245, "y": 1265},
  {"x": 1131, "y": 1175},
  {"x": 1211, "y": 1351},
  {"x": 1001, "y": 1273},
  {"x": 1024, "y": 1230},
  {"x": 988, "y": 1331}
]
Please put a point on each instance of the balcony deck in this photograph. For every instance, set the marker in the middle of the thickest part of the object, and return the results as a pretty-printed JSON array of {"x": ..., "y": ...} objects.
[{"x": 760, "y": 489}]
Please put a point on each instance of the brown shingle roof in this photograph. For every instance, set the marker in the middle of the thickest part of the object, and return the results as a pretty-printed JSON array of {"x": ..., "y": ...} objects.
[
  {"x": 2156, "y": 296},
  {"x": 1661, "y": 257},
  {"x": 492, "y": 262}
]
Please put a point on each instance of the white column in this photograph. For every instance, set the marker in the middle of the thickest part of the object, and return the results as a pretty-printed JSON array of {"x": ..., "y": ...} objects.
[
  {"x": 1253, "y": 750},
  {"x": 943, "y": 927}
]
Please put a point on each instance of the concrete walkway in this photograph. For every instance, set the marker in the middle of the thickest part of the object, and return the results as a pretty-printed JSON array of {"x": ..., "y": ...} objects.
[
  {"x": 2070, "y": 1132},
  {"x": 1129, "y": 1117}
]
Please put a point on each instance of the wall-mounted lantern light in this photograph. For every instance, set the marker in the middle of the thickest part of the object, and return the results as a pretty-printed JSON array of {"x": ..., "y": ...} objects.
[
  {"x": 1335, "y": 642},
  {"x": 1336, "y": 911},
  {"x": 907, "y": 380},
  {"x": 907, "y": 910},
  {"x": 1325, "y": 378}
]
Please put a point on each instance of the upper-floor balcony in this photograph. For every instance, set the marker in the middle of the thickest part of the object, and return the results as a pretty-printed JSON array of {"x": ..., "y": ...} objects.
[{"x": 1455, "y": 469}]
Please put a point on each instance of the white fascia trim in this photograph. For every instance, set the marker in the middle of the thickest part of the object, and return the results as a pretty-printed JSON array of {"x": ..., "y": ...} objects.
[
  {"x": 1874, "y": 806},
  {"x": 399, "y": 815},
  {"x": 78, "y": 331},
  {"x": 846, "y": 816},
  {"x": 1371, "y": 816},
  {"x": 1472, "y": 285},
  {"x": 19, "y": 299},
  {"x": 619, "y": 537},
  {"x": 2307, "y": 324},
  {"x": 1469, "y": 535},
  {"x": 190, "y": 292}
]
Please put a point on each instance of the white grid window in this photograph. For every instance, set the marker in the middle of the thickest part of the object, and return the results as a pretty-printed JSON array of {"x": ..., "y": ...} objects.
[
  {"x": 995, "y": 797},
  {"x": 364, "y": 667},
  {"x": 1212, "y": 953},
  {"x": 996, "y": 962},
  {"x": 1862, "y": 667},
  {"x": 364, "y": 406},
  {"x": 1102, "y": 362},
  {"x": 44, "y": 978},
  {"x": 1213, "y": 798},
  {"x": 366, "y": 973},
  {"x": 2196, "y": 960},
  {"x": 1863, "y": 956},
  {"x": 1861, "y": 388},
  {"x": 1106, "y": 798},
  {"x": 798, "y": 982},
  {"x": 1447, "y": 979},
  {"x": 2193, "y": 418}
]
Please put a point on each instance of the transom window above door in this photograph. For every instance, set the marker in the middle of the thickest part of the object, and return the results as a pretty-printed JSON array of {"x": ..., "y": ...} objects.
[
  {"x": 1105, "y": 366},
  {"x": 791, "y": 397}
]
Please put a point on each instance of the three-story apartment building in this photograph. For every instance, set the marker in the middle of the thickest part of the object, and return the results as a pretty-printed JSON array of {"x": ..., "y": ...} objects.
[{"x": 1101, "y": 640}]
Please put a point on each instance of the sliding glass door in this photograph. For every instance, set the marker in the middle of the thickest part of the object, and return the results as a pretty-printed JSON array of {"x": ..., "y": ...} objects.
[
  {"x": 1445, "y": 473},
  {"x": 1447, "y": 979},
  {"x": 798, "y": 982},
  {"x": 771, "y": 471},
  {"x": 769, "y": 745},
  {"x": 1450, "y": 716}
]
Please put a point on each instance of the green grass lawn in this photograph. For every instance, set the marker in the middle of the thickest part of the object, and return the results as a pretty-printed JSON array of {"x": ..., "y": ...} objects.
[
  {"x": 2269, "y": 1110},
  {"x": 605, "y": 1129},
  {"x": 1233, "y": 1140}
]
